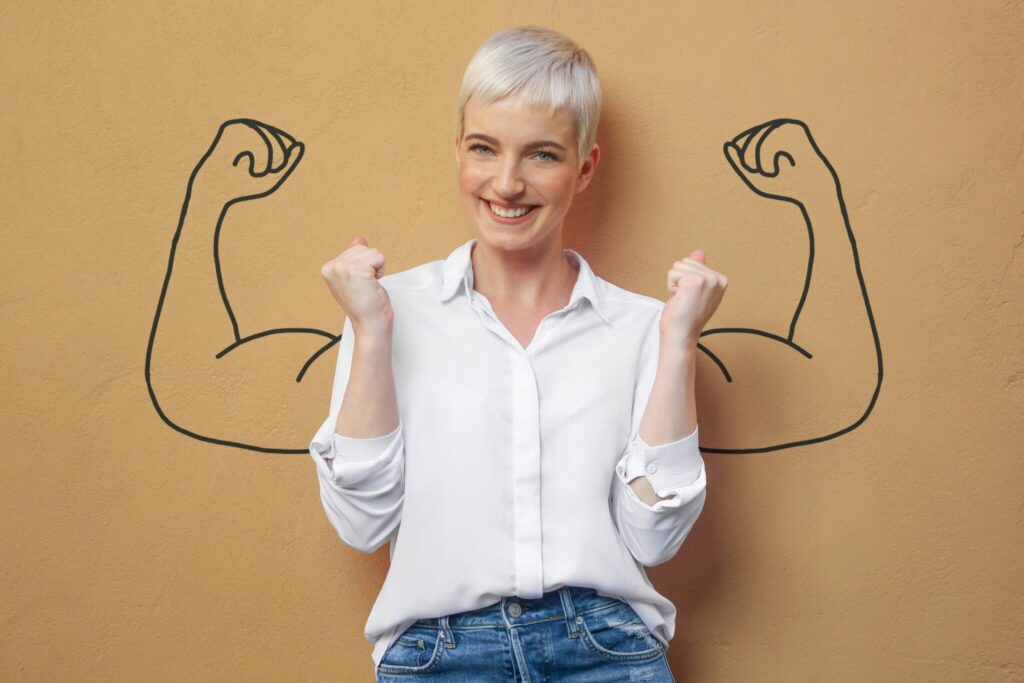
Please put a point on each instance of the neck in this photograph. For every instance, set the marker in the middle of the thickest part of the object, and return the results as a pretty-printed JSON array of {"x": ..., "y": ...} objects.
[{"x": 538, "y": 277}]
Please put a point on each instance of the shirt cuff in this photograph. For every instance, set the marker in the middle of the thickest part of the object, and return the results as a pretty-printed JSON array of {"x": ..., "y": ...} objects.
[
  {"x": 668, "y": 466},
  {"x": 352, "y": 448}
]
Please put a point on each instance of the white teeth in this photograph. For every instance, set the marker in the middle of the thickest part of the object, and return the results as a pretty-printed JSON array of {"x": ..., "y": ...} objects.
[{"x": 508, "y": 213}]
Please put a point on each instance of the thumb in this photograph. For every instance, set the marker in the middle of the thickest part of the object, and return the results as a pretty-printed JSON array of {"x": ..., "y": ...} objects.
[
  {"x": 698, "y": 256},
  {"x": 359, "y": 240}
]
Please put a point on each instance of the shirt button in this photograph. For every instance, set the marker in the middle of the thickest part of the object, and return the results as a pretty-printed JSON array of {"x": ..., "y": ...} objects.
[
  {"x": 652, "y": 468},
  {"x": 514, "y": 609}
]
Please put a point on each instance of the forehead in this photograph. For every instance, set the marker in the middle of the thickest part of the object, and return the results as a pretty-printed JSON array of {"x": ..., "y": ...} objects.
[{"x": 510, "y": 119}]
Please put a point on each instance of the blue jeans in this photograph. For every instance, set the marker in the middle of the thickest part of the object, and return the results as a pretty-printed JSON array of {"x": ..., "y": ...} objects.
[{"x": 571, "y": 635}]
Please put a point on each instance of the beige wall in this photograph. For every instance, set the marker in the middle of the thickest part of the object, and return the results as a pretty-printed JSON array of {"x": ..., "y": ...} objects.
[{"x": 132, "y": 551}]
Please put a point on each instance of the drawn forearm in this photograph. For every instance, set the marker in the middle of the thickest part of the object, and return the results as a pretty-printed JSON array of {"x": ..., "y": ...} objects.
[
  {"x": 192, "y": 319},
  {"x": 831, "y": 313}
]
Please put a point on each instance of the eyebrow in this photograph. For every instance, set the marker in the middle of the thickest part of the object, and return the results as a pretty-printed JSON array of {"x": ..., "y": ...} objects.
[{"x": 532, "y": 145}]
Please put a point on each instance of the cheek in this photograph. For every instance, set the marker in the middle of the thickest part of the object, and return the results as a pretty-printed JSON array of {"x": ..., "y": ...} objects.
[
  {"x": 559, "y": 188},
  {"x": 470, "y": 177}
]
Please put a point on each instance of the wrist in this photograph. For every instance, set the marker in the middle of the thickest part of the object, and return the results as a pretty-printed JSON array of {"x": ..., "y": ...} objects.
[
  {"x": 673, "y": 341},
  {"x": 372, "y": 334},
  {"x": 675, "y": 354}
]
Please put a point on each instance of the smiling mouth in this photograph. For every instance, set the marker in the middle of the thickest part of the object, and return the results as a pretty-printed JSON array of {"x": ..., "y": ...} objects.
[{"x": 508, "y": 213}]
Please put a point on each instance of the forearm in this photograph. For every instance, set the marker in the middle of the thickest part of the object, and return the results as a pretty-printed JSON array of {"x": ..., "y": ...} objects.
[
  {"x": 834, "y": 298},
  {"x": 671, "y": 412},
  {"x": 192, "y": 318},
  {"x": 369, "y": 408}
]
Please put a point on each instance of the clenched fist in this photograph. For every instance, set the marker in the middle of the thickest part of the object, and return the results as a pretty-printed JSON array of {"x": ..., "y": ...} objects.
[
  {"x": 696, "y": 292},
  {"x": 353, "y": 277}
]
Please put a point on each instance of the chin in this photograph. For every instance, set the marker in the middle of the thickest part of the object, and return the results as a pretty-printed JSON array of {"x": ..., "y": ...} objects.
[{"x": 501, "y": 240}]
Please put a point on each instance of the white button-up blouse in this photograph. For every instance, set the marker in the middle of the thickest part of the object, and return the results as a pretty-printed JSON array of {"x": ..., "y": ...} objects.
[{"x": 507, "y": 474}]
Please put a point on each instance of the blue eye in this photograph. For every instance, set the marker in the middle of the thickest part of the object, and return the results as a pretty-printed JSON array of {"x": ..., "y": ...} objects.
[
  {"x": 551, "y": 157},
  {"x": 478, "y": 146}
]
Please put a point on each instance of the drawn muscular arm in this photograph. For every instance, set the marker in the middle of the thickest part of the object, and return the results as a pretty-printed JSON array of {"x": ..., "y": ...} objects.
[
  {"x": 819, "y": 376},
  {"x": 201, "y": 362}
]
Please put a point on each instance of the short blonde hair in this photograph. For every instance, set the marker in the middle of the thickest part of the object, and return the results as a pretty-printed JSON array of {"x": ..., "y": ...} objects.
[{"x": 542, "y": 66}]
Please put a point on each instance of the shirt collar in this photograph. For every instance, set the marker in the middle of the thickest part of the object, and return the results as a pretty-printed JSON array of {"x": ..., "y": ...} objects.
[{"x": 457, "y": 274}]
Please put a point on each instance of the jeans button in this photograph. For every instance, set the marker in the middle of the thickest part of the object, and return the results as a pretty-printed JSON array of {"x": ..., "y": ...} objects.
[{"x": 514, "y": 609}]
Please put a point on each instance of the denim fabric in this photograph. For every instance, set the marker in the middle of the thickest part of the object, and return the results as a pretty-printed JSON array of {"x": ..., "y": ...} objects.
[{"x": 571, "y": 635}]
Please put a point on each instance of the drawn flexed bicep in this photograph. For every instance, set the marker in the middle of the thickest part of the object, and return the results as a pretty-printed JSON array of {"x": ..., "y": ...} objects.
[
  {"x": 762, "y": 389},
  {"x": 200, "y": 365}
]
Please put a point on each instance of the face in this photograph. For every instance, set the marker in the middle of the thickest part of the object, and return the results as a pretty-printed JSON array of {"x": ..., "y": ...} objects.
[{"x": 514, "y": 159}]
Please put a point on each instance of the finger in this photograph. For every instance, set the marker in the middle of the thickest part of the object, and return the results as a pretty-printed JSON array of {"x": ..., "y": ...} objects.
[
  {"x": 732, "y": 155},
  {"x": 741, "y": 139},
  {"x": 682, "y": 278},
  {"x": 691, "y": 266},
  {"x": 755, "y": 156},
  {"x": 280, "y": 147},
  {"x": 767, "y": 160},
  {"x": 376, "y": 261},
  {"x": 698, "y": 255},
  {"x": 708, "y": 277},
  {"x": 676, "y": 273},
  {"x": 263, "y": 170},
  {"x": 293, "y": 155},
  {"x": 689, "y": 262},
  {"x": 286, "y": 140},
  {"x": 750, "y": 150}
]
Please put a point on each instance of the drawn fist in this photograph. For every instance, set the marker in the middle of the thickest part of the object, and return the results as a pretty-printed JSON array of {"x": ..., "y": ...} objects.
[
  {"x": 779, "y": 159},
  {"x": 696, "y": 292},
  {"x": 246, "y": 160},
  {"x": 353, "y": 277}
]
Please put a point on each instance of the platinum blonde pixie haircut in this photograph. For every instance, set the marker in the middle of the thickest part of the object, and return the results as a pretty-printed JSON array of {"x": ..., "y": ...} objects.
[{"x": 543, "y": 67}]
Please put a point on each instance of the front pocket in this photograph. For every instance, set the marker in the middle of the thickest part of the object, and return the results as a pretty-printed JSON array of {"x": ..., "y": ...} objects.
[
  {"x": 619, "y": 633},
  {"x": 416, "y": 650}
]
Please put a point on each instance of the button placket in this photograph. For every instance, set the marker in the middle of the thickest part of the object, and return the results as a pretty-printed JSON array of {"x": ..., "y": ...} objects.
[{"x": 526, "y": 475}]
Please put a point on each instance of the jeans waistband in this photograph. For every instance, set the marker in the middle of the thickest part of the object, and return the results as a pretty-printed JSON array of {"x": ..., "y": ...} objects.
[{"x": 567, "y": 602}]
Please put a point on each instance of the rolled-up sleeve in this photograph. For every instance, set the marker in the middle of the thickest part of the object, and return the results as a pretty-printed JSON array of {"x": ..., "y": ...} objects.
[
  {"x": 361, "y": 480},
  {"x": 654, "y": 533}
]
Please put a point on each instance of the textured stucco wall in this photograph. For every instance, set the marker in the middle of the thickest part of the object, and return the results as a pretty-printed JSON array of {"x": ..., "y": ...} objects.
[{"x": 891, "y": 553}]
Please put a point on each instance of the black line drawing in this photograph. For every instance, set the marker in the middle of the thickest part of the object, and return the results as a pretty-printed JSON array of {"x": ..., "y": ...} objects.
[
  {"x": 760, "y": 168},
  {"x": 252, "y": 159},
  {"x": 233, "y": 144}
]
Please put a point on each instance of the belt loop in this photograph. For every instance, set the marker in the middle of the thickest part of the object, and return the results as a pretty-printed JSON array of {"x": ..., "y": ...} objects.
[
  {"x": 571, "y": 619},
  {"x": 449, "y": 637}
]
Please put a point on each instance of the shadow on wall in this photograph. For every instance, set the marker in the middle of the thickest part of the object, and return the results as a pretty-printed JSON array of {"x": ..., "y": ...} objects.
[{"x": 249, "y": 160}]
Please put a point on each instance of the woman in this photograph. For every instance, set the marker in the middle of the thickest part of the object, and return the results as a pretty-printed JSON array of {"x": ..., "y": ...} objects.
[{"x": 521, "y": 430}]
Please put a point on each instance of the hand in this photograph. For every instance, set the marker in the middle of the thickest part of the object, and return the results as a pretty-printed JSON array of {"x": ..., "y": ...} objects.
[
  {"x": 696, "y": 292},
  {"x": 779, "y": 159},
  {"x": 247, "y": 159},
  {"x": 353, "y": 280}
]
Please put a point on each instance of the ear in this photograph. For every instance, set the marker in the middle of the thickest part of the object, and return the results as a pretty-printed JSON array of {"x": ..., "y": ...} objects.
[
  {"x": 588, "y": 167},
  {"x": 457, "y": 151}
]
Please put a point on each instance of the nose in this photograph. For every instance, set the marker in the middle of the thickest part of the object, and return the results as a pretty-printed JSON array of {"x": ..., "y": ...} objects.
[{"x": 508, "y": 182}]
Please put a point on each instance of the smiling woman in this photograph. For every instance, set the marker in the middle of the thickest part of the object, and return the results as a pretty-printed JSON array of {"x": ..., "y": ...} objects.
[
  {"x": 518, "y": 173},
  {"x": 525, "y": 145},
  {"x": 486, "y": 412}
]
